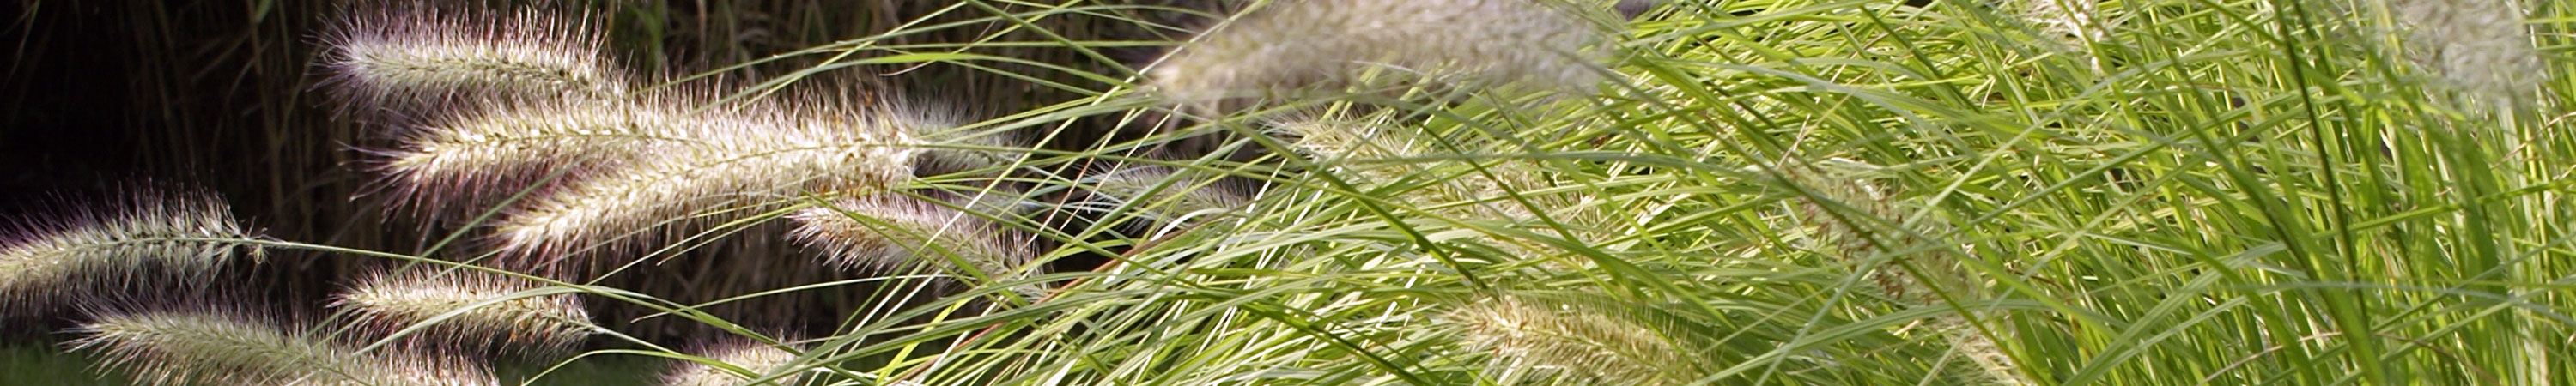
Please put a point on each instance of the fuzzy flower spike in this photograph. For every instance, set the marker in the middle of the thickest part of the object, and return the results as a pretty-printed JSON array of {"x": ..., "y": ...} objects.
[
  {"x": 479, "y": 307},
  {"x": 401, "y": 54},
  {"x": 467, "y": 161},
  {"x": 1294, "y": 43},
  {"x": 1582, "y": 344},
  {"x": 186, "y": 233},
  {"x": 739, "y": 164},
  {"x": 2481, "y": 48},
  {"x": 893, "y": 231},
  {"x": 207, "y": 347},
  {"x": 757, "y": 358}
]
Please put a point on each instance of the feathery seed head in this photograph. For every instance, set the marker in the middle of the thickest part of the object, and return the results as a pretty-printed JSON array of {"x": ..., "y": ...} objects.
[
  {"x": 1859, "y": 221},
  {"x": 1161, "y": 196},
  {"x": 951, "y": 149},
  {"x": 890, "y": 231},
  {"x": 183, "y": 232},
  {"x": 229, "y": 348},
  {"x": 756, "y": 357},
  {"x": 2062, "y": 19},
  {"x": 1365, "y": 146},
  {"x": 1965, "y": 339},
  {"x": 420, "y": 53},
  {"x": 1363, "y": 138},
  {"x": 1568, "y": 340},
  {"x": 457, "y": 163},
  {"x": 391, "y": 302},
  {"x": 742, "y": 161},
  {"x": 2481, "y": 48},
  {"x": 1294, "y": 43}
]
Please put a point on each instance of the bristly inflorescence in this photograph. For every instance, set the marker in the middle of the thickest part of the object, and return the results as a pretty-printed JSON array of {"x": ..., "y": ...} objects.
[
  {"x": 1859, "y": 221},
  {"x": 889, "y": 231},
  {"x": 1161, "y": 197},
  {"x": 212, "y": 347},
  {"x": 2480, "y": 48},
  {"x": 455, "y": 163},
  {"x": 746, "y": 161},
  {"x": 481, "y": 311},
  {"x": 420, "y": 55},
  {"x": 1447, "y": 179},
  {"x": 753, "y": 359},
  {"x": 1572, "y": 341},
  {"x": 186, "y": 233},
  {"x": 1295, "y": 43}
]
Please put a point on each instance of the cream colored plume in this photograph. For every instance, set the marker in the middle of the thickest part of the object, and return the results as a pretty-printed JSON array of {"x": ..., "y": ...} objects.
[
  {"x": 892, "y": 231},
  {"x": 741, "y": 163},
  {"x": 228, "y": 348},
  {"x": 419, "y": 53},
  {"x": 470, "y": 309},
  {"x": 756, "y": 358},
  {"x": 1294, "y": 43},
  {"x": 49, "y": 253}
]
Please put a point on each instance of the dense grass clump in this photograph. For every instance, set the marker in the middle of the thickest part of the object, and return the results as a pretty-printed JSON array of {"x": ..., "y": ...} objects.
[{"x": 1506, "y": 192}]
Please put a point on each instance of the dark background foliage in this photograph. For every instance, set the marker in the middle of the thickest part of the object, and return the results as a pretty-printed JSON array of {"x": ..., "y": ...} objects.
[{"x": 101, "y": 96}]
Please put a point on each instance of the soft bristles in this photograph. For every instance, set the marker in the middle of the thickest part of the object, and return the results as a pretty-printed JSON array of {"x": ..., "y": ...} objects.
[
  {"x": 420, "y": 53},
  {"x": 456, "y": 164},
  {"x": 756, "y": 357},
  {"x": 1160, "y": 196},
  {"x": 228, "y": 348},
  {"x": 1372, "y": 152},
  {"x": 741, "y": 163},
  {"x": 950, "y": 150},
  {"x": 1573, "y": 340},
  {"x": 1292, "y": 43},
  {"x": 183, "y": 233},
  {"x": 393, "y": 302},
  {"x": 2482, "y": 48},
  {"x": 893, "y": 231},
  {"x": 1363, "y": 145},
  {"x": 1997, "y": 367},
  {"x": 1857, "y": 221}
]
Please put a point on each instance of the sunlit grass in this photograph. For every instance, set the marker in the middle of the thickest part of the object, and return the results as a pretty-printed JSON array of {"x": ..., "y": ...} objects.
[{"x": 1765, "y": 193}]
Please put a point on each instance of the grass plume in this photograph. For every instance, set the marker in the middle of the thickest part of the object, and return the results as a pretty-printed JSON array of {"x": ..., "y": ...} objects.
[
  {"x": 1571, "y": 340},
  {"x": 487, "y": 310},
  {"x": 1862, "y": 223},
  {"x": 227, "y": 348},
  {"x": 748, "y": 360},
  {"x": 422, "y": 53},
  {"x": 2480, "y": 48},
  {"x": 1160, "y": 196},
  {"x": 456, "y": 163},
  {"x": 1294, "y": 43},
  {"x": 893, "y": 231},
  {"x": 187, "y": 233},
  {"x": 757, "y": 158}
]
